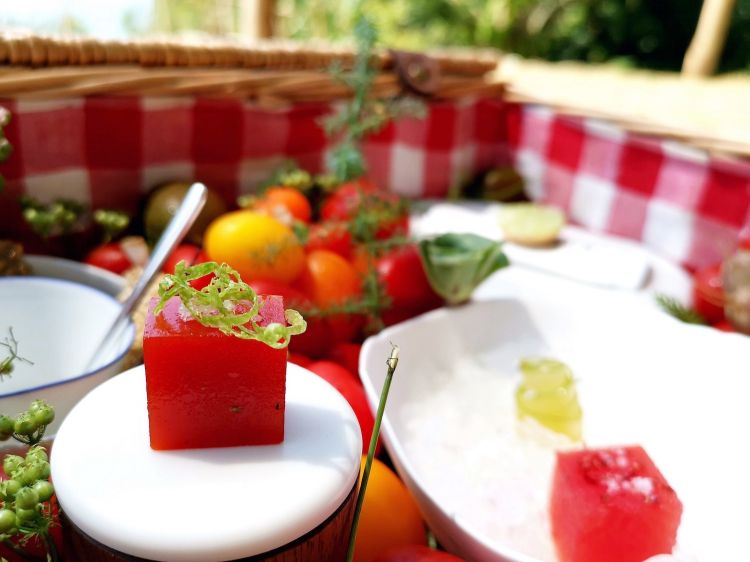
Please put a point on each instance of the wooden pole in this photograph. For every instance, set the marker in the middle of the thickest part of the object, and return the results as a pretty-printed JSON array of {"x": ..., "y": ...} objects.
[
  {"x": 257, "y": 18},
  {"x": 704, "y": 52}
]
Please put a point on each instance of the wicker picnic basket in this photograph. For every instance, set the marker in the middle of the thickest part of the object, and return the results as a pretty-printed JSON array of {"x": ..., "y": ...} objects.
[{"x": 270, "y": 71}]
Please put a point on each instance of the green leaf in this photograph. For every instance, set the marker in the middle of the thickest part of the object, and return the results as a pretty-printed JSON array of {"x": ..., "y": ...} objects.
[{"x": 457, "y": 263}]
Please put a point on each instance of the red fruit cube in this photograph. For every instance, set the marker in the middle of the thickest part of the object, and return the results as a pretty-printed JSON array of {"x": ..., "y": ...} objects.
[
  {"x": 208, "y": 389},
  {"x": 611, "y": 505}
]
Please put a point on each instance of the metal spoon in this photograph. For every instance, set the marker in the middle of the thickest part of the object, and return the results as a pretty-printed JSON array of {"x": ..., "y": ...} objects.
[{"x": 176, "y": 230}]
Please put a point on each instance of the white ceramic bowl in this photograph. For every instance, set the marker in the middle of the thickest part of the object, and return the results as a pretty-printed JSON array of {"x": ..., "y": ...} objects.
[
  {"x": 57, "y": 324},
  {"x": 60, "y": 268},
  {"x": 680, "y": 391}
]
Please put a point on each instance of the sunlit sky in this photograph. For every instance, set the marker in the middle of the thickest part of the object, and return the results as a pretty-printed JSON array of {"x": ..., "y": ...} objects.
[{"x": 102, "y": 17}]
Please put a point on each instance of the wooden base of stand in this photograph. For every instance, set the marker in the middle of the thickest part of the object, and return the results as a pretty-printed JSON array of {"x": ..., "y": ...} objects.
[{"x": 326, "y": 543}]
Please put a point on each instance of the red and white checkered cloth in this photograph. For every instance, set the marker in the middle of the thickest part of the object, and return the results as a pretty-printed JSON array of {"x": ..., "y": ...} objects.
[
  {"x": 677, "y": 200},
  {"x": 107, "y": 152}
]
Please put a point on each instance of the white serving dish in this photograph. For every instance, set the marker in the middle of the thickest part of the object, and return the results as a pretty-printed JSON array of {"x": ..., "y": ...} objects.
[
  {"x": 644, "y": 378},
  {"x": 58, "y": 325},
  {"x": 85, "y": 274}
]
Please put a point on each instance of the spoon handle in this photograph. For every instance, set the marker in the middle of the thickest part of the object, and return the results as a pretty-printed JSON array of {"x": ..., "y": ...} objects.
[{"x": 176, "y": 230}]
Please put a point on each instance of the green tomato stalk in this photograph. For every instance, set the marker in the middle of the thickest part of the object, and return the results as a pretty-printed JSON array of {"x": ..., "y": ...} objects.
[
  {"x": 457, "y": 263},
  {"x": 392, "y": 364}
]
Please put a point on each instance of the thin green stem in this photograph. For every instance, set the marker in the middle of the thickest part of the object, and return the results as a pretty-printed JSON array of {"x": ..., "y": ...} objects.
[
  {"x": 392, "y": 364},
  {"x": 49, "y": 543}
]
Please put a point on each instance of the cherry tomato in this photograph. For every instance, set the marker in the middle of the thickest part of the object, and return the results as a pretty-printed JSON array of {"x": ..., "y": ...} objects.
[
  {"x": 189, "y": 253},
  {"x": 110, "y": 257},
  {"x": 405, "y": 281},
  {"x": 343, "y": 202},
  {"x": 346, "y": 354},
  {"x": 291, "y": 199},
  {"x": 390, "y": 517},
  {"x": 299, "y": 359},
  {"x": 708, "y": 293},
  {"x": 346, "y": 201},
  {"x": 318, "y": 337},
  {"x": 332, "y": 236},
  {"x": 256, "y": 245},
  {"x": 724, "y": 326},
  {"x": 329, "y": 280},
  {"x": 416, "y": 553},
  {"x": 350, "y": 388}
]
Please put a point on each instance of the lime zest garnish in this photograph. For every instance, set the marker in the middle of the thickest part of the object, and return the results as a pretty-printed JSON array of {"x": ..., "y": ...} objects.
[{"x": 227, "y": 303}]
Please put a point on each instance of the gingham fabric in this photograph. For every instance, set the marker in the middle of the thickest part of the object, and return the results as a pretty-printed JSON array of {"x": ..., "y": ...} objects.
[
  {"x": 678, "y": 201},
  {"x": 107, "y": 152}
]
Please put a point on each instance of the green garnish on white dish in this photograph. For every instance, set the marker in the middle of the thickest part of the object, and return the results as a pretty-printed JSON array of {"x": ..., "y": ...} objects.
[{"x": 227, "y": 303}]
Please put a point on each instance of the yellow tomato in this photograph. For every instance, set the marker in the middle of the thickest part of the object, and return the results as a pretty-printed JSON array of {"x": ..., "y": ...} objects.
[
  {"x": 256, "y": 245},
  {"x": 389, "y": 518}
]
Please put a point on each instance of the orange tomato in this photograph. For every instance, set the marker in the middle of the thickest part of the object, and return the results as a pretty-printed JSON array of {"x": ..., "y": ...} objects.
[
  {"x": 256, "y": 245},
  {"x": 389, "y": 518},
  {"x": 328, "y": 279},
  {"x": 295, "y": 203}
]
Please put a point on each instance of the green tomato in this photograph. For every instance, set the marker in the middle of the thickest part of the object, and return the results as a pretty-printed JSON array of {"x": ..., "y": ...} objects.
[
  {"x": 26, "y": 515},
  {"x": 33, "y": 472},
  {"x": 11, "y": 464},
  {"x": 12, "y": 486},
  {"x": 43, "y": 415},
  {"x": 6, "y": 427},
  {"x": 163, "y": 202},
  {"x": 37, "y": 453},
  {"x": 7, "y": 520},
  {"x": 44, "y": 489},
  {"x": 27, "y": 498},
  {"x": 25, "y": 424}
]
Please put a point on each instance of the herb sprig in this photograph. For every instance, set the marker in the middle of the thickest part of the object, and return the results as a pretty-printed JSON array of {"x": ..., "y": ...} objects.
[
  {"x": 675, "y": 308},
  {"x": 226, "y": 303},
  {"x": 6, "y": 365},
  {"x": 363, "y": 114}
]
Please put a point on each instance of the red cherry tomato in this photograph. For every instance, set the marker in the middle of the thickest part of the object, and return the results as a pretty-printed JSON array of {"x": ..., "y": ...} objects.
[
  {"x": 317, "y": 339},
  {"x": 299, "y": 359},
  {"x": 708, "y": 293},
  {"x": 724, "y": 326},
  {"x": 344, "y": 203},
  {"x": 350, "y": 388},
  {"x": 189, "y": 253},
  {"x": 346, "y": 354},
  {"x": 110, "y": 257},
  {"x": 416, "y": 553},
  {"x": 332, "y": 236},
  {"x": 404, "y": 279}
]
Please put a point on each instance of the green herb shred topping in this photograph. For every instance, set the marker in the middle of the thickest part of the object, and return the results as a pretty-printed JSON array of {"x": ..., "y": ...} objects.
[{"x": 226, "y": 303}]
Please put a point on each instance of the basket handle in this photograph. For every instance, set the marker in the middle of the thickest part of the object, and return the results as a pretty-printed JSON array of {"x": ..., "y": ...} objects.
[{"x": 702, "y": 56}]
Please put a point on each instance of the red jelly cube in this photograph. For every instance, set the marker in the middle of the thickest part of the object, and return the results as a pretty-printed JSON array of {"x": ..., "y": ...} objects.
[
  {"x": 612, "y": 505},
  {"x": 208, "y": 389}
]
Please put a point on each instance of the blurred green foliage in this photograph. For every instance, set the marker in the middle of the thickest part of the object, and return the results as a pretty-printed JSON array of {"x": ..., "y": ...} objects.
[{"x": 644, "y": 33}]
